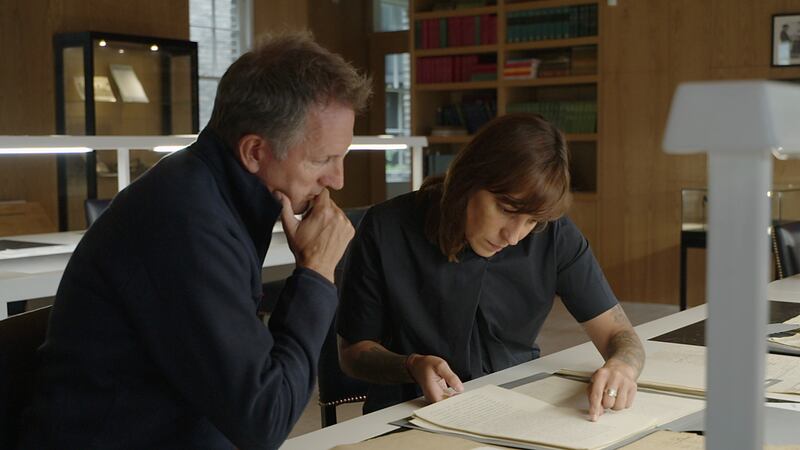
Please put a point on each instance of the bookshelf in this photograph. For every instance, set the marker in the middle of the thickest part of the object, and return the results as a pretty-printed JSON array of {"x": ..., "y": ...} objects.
[{"x": 543, "y": 56}]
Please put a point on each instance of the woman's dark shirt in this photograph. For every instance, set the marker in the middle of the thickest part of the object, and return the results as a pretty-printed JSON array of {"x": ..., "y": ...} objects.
[{"x": 480, "y": 314}]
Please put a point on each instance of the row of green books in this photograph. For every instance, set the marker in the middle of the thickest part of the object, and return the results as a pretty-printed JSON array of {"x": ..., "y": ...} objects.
[
  {"x": 569, "y": 116},
  {"x": 552, "y": 23}
]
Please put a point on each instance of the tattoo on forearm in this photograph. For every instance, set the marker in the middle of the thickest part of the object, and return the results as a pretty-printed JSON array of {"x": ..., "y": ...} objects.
[
  {"x": 379, "y": 365},
  {"x": 619, "y": 315},
  {"x": 626, "y": 347}
]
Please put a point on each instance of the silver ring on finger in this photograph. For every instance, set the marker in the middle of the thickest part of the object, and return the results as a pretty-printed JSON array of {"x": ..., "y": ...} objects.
[{"x": 611, "y": 392}]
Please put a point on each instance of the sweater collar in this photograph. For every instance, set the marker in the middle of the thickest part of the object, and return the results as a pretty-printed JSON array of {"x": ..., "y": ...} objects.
[{"x": 254, "y": 205}]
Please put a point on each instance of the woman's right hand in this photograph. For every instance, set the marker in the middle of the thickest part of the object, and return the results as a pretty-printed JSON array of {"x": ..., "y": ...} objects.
[{"x": 434, "y": 376}]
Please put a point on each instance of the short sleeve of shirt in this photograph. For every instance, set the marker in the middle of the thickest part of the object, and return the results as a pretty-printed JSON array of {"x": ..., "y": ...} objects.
[
  {"x": 361, "y": 308},
  {"x": 580, "y": 281}
]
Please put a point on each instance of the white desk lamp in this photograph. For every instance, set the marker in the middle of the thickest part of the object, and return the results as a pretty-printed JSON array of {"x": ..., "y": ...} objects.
[{"x": 740, "y": 124}]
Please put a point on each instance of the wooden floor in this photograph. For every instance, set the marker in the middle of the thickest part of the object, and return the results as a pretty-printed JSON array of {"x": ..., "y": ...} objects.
[{"x": 560, "y": 331}]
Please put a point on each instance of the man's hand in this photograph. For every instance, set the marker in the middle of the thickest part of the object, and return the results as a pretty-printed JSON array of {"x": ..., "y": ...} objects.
[
  {"x": 319, "y": 240},
  {"x": 612, "y": 386},
  {"x": 434, "y": 376}
]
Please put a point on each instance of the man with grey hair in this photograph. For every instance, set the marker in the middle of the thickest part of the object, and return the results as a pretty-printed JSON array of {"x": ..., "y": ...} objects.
[{"x": 154, "y": 340}]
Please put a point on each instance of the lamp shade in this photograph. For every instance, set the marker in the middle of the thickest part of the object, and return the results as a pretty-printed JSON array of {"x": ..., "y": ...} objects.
[{"x": 734, "y": 117}]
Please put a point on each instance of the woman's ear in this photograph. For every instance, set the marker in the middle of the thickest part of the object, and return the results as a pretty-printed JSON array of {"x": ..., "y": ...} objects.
[{"x": 253, "y": 152}]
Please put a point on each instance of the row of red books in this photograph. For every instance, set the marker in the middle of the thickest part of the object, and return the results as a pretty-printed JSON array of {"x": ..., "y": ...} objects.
[
  {"x": 456, "y": 31},
  {"x": 454, "y": 69}
]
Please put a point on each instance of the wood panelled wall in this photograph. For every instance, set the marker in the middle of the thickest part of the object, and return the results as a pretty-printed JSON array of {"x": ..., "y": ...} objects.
[
  {"x": 342, "y": 27},
  {"x": 649, "y": 46},
  {"x": 27, "y": 78}
]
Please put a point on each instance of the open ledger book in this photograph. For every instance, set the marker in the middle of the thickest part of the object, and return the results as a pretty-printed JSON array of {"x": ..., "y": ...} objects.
[{"x": 551, "y": 412}]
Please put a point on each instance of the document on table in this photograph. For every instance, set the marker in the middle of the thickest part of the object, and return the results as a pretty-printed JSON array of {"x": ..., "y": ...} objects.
[
  {"x": 791, "y": 340},
  {"x": 551, "y": 412},
  {"x": 671, "y": 440},
  {"x": 682, "y": 368}
]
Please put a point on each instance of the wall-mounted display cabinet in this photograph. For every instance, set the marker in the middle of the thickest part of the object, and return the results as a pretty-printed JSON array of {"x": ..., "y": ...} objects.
[
  {"x": 118, "y": 85},
  {"x": 475, "y": 59}
]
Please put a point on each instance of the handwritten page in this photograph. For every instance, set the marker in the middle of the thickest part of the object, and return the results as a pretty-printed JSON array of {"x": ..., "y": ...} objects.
[
  {"x": 552, "y": 412},
  {"x": 572, "y": 394},
  {"x": 682, "y": 368}
]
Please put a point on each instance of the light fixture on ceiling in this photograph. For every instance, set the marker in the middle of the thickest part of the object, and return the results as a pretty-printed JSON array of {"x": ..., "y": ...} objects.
[{"x": 43, "y": 150}]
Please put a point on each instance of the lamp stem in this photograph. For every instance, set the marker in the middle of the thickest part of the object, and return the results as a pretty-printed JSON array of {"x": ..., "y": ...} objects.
[{"x": 738, "y": 268}]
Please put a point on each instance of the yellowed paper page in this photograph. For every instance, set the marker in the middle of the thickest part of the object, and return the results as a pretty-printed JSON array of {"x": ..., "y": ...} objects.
[
  {"x": 417, "y": 440},
  {"x": 682, "y": 368},
  {"x": 433, "y": 427},
  {"x": 572, "y": 394}
]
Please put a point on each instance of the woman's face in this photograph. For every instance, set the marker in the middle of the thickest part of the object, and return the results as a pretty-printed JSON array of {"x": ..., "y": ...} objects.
[{"x": 493, "y": 225}]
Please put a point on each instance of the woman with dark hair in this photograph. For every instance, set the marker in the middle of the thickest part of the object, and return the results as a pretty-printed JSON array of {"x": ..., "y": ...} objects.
[{"x": 454, "y": 281}]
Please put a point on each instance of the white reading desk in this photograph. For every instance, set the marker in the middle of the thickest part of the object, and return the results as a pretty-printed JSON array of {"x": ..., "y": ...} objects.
[
  {"x": 35, "y": 272},
  {"x": 377, "y": 423}
]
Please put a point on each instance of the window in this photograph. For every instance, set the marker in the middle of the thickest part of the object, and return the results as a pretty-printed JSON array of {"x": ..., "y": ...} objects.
[
  {"x": 390, "y": 15},
  {"x": 222, "y": 30},
  {"x": 398, "y": 114}
]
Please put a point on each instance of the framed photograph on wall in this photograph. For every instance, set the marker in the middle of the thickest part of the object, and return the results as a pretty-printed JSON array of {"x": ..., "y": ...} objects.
[{"x": 786, "y": 40}]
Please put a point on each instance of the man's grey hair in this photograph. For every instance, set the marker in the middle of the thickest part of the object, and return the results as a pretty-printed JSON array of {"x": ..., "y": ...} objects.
[{"x": 270, "y": 90}]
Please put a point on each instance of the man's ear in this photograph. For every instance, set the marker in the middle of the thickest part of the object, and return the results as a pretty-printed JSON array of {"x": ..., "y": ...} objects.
[{"x": 253, "y": 152}]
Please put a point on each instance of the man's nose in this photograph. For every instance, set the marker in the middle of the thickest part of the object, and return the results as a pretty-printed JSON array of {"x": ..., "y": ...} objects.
[{"x": 335, "y": 178}]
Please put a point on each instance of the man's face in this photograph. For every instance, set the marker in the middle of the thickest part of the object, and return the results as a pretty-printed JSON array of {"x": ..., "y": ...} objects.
[{"x": 317, "y": 162}]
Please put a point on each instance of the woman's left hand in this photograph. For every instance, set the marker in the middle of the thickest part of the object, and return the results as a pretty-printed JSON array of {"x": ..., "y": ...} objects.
[{"x": 612, "y": 386}]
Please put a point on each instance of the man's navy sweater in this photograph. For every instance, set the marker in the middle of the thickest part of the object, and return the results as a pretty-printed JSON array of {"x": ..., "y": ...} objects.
[{"x": 153, "y": 339}]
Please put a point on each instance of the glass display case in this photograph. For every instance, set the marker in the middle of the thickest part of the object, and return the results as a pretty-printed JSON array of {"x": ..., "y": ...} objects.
[
  {"x": 784, "y": 207},
  {"x": 113, "y": 84}
]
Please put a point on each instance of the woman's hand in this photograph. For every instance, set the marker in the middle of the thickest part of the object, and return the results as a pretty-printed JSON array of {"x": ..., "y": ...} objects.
[
  {"x": 612, "y": 386},
  {"x": 434, "y": 376}
]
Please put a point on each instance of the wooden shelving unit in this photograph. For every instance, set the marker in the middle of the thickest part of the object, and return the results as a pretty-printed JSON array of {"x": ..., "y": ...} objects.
[
  {"x": 551, "y": 81},
  {"x": 427, "y": 99},
  {"x": 551, "y": 43},
  {"x": 468, "y": 50},
  {"x": 542, "y": 4},
  {"x": 453, "y": 12},
  {"x": 465, "y": 86}
]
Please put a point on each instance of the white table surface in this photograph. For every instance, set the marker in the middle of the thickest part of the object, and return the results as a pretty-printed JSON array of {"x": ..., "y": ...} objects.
[
  {"x": 785, "y": 290},
  {"x": 36, "y": 272},
  {"x": 377, "y": 423}
]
